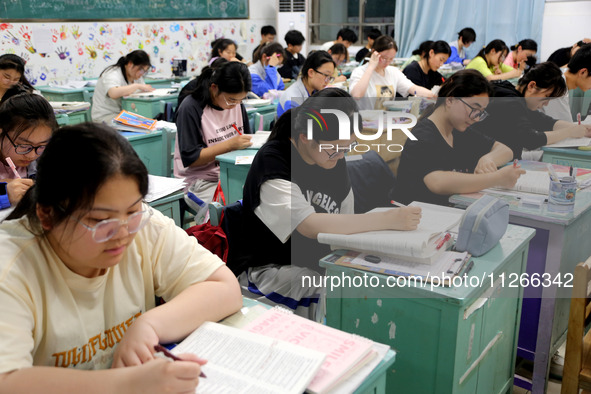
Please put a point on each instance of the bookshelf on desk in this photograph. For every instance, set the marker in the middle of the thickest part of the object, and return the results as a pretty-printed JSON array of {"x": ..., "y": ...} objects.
[{"x": 447, "y": 340}]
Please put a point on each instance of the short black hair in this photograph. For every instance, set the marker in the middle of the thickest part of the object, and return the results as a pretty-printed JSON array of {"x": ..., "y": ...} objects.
[
  {"x": 265, "y": 30},
  {"x": 546, "y": 75},
  {"x": 347, "y": 35},
  {"x": 294, "y": 37},
  {"x": 467, "y": 34},
  {"x": 374, "y": 33},
  {"x": 581, "y": 59}
]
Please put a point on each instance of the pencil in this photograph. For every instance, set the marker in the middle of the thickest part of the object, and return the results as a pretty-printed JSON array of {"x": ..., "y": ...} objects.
[
  {"x": 397, "y": 204},
  {"x": 167, "y": 353}
]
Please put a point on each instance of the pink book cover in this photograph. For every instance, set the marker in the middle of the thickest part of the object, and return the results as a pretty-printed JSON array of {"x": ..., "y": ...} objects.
[{"x": 343, "y": 350}]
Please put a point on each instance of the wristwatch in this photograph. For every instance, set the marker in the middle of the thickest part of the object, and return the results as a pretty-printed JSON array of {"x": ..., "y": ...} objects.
[{"x": 4, "y": 201}]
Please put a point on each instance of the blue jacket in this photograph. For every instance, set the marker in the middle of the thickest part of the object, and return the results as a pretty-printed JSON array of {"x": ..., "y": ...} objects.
[{"x": 265, "y": 78}]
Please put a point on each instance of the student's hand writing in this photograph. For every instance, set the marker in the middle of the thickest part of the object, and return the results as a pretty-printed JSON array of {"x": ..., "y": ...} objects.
[
  {"x": 485, "y": 165},
  {"x": 17, "y": 188},
  {"x": 137, "y": 345},
  {"x": 163, "y": 376},
  {"x": 404, "y": 218},
  {"x": 578, "y": 131},
  {"x": 273, "y": 60},
  {"x": 508, "y": 176},
  {"x": 240, "y": 142},
  {"x": 144, "y": 87}
]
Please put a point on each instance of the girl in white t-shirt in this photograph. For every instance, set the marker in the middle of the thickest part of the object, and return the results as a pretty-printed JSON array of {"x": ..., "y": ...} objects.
[
  {"x": 82, "y": 263},
  {"x": 378, "y": 79},
  {"x": 211, "y": 121},
  {"x": 121, "y": 79}
]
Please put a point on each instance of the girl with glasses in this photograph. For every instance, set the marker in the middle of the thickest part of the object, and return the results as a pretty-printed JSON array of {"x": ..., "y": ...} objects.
[
  {"x": 515, "y": 119},
  {"x": 26, "y": 125},
  {"x": 12, "y": 77},
  {"x": 340, "y": 56},
  {"x": 296, "y": 188},
  {"x": 317, "y": 73},
  {"x": 446, "y": 158},
  {"x": 120, "y": 79},
  {"x": 369, "y": 79},
  {"x": 83, "y": 262},
  {"x": 489, "y": 62},
  {"x": 206, "y": 122},
  {"x": 264, "y": 72}
]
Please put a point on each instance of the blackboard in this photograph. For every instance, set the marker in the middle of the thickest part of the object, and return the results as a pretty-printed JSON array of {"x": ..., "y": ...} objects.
[{"x": 86, "y": 10}]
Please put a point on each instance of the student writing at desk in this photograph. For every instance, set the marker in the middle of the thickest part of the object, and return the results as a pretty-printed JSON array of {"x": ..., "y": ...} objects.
[
  {"x": 12, "y": 76},
  {"x": 514, "y": 119},
  {"x": 121, "y": 79},
  {"x": 26, "y": 125},
  {"x": 489, "y": 62},
  {"x": 446, "y": 158},
  {"x": 210, "y": 121},
  {"x": 296, "y": 188},
  {"x": 424, "y": 72},
  {"x": 520, "y": 53},
  {"x": 81, "y": 265}
]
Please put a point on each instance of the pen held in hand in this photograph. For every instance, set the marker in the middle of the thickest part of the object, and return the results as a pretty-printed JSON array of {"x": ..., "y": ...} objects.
[
  {"x": 236, "y": 128},
  {"x": 13, "y": 167},
  {"x": 397, "y": 204},
  {"x": 168, "y": 354}
]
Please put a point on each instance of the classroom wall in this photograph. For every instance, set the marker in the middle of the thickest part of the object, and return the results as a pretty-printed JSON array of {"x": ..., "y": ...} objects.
[
  {"x": 565, "y": 22},
  {"x": 61, "y": 51}
]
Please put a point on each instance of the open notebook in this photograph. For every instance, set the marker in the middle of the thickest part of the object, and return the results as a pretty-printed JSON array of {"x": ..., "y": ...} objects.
[
  {"x": 239, "y": 361},
  {"x": 419, "y": 245},
  {"x": 538, "y": 182},
  {"x": 345, "y": 353},
  {"x": 571, "y": 142},
  {"x": 259, "y": 139}
]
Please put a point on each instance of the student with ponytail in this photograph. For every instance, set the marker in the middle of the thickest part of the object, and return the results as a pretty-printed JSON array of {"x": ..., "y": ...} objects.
[
  {"x": 418, "y": 53},
  {"x": 424, "y": 72},
  {"x": 120, "y": 79},
  {"x": 26, "y": 125},
  {"x": 489, "y": 62},
  {"x": 446, "y": 158},
  {"x": 514, "y": 117},
  {"x": 264, "y": 72},
  {"x": 520, "y": 53},
  {"x": 206, "y": 124}
]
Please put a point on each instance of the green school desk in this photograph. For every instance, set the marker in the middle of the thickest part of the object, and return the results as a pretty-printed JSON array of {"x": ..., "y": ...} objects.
[
  {"x": 54, "y": 93},
  {"x": 170, "y": 206},
  {"x": 561, "y": 242},
  {"x": 268, "y": 113},
  {"x": 148, "y": 146},
  {"x": 447, "y": 340},
  {"x": 567, "y": 157},
  {"x": 149, "y": 107},
  {"x": 232, "y": 176},
  {"x": 375, "y": 383},
  {"x": 73, "y": 118},
  {"x": 163, "y": 83}
]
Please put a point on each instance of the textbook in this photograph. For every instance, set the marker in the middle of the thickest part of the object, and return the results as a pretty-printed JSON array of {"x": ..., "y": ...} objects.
[
  {"x": 448, "y": 265},
  {"x": 571, "y": 142},
  {"x": 422, "y": 245},
  {"x": 136, "y": 121},
  {"x": 345, "y": 353},
  {"x": 239, "y": 361},
  {"x": 65, "y": 107},
  {"x": 259, "y": 139}
]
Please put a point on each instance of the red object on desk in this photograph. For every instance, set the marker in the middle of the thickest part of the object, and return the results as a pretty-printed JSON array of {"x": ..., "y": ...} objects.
[
  {"x": 236, "y": 128},
  {"x": 443, "y": 241}
]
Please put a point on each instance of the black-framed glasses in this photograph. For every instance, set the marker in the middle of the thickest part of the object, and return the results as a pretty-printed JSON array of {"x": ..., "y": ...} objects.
[
  {"x": 475, "y": 113},
  {"x": 327, "y": 78},
  {"x": 106, "y": 229},
  {"x": 23, "y": 149},
  {"x": 341, "y": 150}
]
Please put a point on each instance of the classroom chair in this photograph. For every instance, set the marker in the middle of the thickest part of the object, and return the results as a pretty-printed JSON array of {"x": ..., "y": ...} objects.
[
  {"x": 167, "y": 111},
  {"x": 267, "y": 121},
  {"x": 577, "y": 361},
  {"x": 372, "y": 181},
  {"x": 168, "y": 141}
]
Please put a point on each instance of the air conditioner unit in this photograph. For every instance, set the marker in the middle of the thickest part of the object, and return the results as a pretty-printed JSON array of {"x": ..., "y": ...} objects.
[{"x": 292, "y": 15}]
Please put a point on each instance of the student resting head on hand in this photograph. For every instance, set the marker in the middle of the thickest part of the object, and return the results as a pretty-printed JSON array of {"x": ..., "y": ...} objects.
[
  {"x": 26, "y": 125},
  {"x": 520, "y": 53},
  {"x": 489, "y": 62},
  {"x": 120, "y": 79},
  {"x": 82, "y": 263},
  {"x": 264, "y": 72},
  {"x": 446, "y": 159}
]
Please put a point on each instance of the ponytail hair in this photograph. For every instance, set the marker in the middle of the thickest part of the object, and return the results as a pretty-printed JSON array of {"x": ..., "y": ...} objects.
[
  {"x": 267, "y": 50},
  {"x": 137, "y": 58},
  {"x": 546, "y": 75},
  {"x": 423, "y": 48},
  {"x": 438, "y": 47},
  {"x": 497, "y": 45},
  {"x": 464, "y": 83},
  {"x": 526, "y": 44},
  {"x": 230, "y": 77}
]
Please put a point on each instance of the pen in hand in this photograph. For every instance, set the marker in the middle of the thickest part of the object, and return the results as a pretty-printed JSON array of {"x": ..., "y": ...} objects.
[
  {"x": 161, "y": 349},
  {"x": 13, "y": 167},
  {"x": 236, "y": 128}
]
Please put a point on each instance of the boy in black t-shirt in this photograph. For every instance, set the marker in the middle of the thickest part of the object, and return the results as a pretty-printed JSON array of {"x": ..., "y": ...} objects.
[{"x": 294, "y": 60}]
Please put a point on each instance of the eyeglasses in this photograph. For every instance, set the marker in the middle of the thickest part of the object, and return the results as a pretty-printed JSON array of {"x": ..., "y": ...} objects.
[
  {"x": 341, "y": 150},
  {"x": 327, "y": 78},
  {"x": 387, "y": 59},
  {"x": 144, "y": 70},
  {"x": 106, "y": 229},
  {"x": 23, "y": 149},
  {"x": 232, "y": 101},
  {"x": 475, "y": 113}
]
